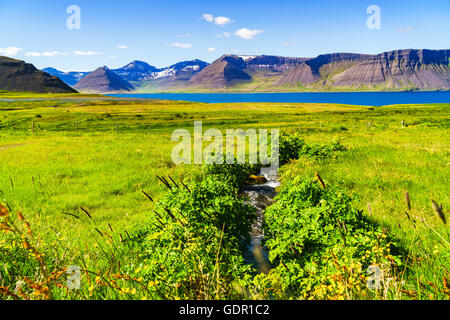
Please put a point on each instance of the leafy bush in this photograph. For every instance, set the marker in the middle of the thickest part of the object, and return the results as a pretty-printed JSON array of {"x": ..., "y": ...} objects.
[
  {"x": 232, "y": 174},
  {"x": 192, "y": 249},
  {"x": 320, "y": 245},
  {"x": 293, "y": 147},
  {"x": 322, "y": 151},
  {"x": 290, "y": 146}
]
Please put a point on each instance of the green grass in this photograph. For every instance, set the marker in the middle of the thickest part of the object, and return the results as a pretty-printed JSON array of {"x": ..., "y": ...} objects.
[
  {"x": 99, "y": 154},
  {"x": 28, "y": 95}
]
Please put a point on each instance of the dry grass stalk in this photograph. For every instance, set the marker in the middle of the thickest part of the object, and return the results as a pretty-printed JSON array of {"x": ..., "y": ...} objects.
[
  {"x": 370, "y": 208},
  {"x": 320, "y": 180},
  {"x": 87, "y": 213},
  {"x": 408, "y": 200},
  {"x": 148, "y": 197},
  {"x": 438, "y": 209}
]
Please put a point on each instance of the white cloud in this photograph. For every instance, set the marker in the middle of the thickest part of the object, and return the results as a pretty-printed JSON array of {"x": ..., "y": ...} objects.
[
  {"x": 87, "y": 53},
  {"x": 10, "y": 51},
  {"x": 181, "y": 45},
  {"x": 220, "y": 21},
  {"x": 211, "y": 49},
  {"x": 53, "y": 53},
  {"x": 121, "y": 46},
  {"x": 45, "y": 54},
  {"x": 33, "y": 54},
  {"x": 224, "y": 35},
  {"x": 247, "y": 34},
  {"x": 208, "y": 17}
]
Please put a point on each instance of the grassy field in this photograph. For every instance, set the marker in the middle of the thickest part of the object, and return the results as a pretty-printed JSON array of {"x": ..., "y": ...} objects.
[{"x": 61, "y": 158}]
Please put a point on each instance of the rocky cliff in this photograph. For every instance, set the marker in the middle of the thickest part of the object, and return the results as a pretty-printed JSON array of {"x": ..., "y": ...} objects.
[
  {"x": 396, "y": 70},
  {"x": 17, "y": 75},
  {"x": 401, "y": 69}
]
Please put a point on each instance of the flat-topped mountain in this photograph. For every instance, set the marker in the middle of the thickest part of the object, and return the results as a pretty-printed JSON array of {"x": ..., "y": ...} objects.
[
  {"x": 17, "y": 75},
  {"x": 407, "y": 69},
  {"x": 103, "y": 80}
]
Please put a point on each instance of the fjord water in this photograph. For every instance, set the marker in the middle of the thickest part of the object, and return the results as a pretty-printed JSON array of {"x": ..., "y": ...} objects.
[{"x": 351, "y": 98}]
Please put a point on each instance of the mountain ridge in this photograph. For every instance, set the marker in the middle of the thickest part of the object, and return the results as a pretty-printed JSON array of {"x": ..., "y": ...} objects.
[
  {"x": 17, "y": 75},
  {"x": 405, "y": 69}
]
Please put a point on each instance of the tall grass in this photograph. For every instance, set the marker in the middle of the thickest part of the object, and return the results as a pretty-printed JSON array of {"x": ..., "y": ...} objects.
[{"x": 76, "y": 160}]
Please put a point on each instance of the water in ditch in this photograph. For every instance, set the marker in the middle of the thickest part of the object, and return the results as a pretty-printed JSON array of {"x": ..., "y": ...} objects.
[{"x": 260, "y": 196}]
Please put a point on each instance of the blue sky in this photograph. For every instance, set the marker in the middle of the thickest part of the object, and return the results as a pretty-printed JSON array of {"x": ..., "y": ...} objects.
[{"x": 114, "y": 33}]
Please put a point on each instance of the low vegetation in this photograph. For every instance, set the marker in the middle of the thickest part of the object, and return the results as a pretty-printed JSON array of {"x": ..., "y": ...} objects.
[{"x": 87, "y": 188}]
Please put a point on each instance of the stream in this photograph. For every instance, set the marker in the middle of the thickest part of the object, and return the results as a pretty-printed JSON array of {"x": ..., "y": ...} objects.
[{"x": 261, "y": 196}]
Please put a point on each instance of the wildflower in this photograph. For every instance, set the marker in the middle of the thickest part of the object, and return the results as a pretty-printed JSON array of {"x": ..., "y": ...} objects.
[{"x": 3, "y": 211}]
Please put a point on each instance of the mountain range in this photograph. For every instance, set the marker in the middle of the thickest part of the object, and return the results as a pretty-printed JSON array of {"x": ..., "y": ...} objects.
[{"x": 395, "y": 70}]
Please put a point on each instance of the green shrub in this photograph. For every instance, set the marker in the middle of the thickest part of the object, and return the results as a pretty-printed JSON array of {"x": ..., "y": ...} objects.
[
  {"x": 320, "y": 245},
  {"x": 193, "y": 247},
  {"x": 293, "y": 147},
  {"x": 232, "y": 174},
  {"x": 290, "y": 146}
]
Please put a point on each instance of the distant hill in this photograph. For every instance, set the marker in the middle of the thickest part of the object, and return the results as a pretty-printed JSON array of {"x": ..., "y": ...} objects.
[
  {"x": 395, "y": 70},
  {"x": 401, "y": 69},
  {"x": 103, "y": 80},
  {"x": 137, "y": 71},
  {"x": 71, "y": 78},
  {"x": 140, "y": 74},
  {"x": 172, "y": 77},
  {"x": 17, "y": 75},
  {"x": 224, "y": 72},
  {"x": 183, "y": 70}
]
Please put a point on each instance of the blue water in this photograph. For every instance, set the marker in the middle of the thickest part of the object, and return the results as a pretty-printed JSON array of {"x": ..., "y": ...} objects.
[{"x": 352, "y": 98}]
